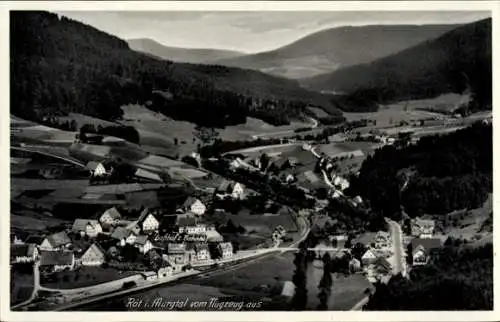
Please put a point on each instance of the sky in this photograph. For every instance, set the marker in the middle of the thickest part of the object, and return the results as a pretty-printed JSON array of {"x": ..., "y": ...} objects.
[{"x": 246, "y": 31}]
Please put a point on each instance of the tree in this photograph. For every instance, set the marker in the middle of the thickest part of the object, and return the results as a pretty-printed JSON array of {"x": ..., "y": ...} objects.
[
  {"x": 176, "y": 141},
  {"x": 299, "y": 279},
  {"x": 325, "y": 284},
  {"x": 206, "y": 135}
]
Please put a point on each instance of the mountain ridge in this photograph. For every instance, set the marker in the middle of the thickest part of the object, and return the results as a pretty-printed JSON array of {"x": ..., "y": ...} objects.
[
  {"x": 458, "y": 60},
  {"x": 333, "y": 48},
  {"x": 180, "y": 54}
]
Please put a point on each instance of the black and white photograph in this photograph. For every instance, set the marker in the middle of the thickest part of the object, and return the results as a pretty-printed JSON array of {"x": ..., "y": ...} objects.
[{"x": 249, "y": 160}]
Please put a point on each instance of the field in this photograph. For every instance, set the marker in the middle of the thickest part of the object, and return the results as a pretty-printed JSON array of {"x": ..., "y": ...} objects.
[
  {"x": 81, "y": 120},
  {"x": 346, "y": 291},
  {"x": 318, "y": 112},
  {"x": 27, "y": 130},
  {"x": 84, "y": 276},
  {"x": 410, "y": 110},
  {"x": 31, "y": 221}
]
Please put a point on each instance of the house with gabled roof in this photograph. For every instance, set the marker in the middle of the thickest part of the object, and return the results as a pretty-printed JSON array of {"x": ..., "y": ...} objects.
[
  {"x": 98, "y": 169},
  {"x": 57, "y": 241},
  {"x": 193, "y": 205},
  {"x": 225, "y": 249},
  {"x": 422, "y": 228},
  {"x": 229, "y": 189},
  {"x": 143, "y": 243},
  {"x": 202, "y": 252},
  {"x": 423, "y": 248},
  {"x": 369, "y": 257},
  {"x": 89, "y": 227},
  {"x": 94, "y": 255},
  {"x": 23, "y": 253},
  {"x": 148, "y": 222},
  {"x": 56, "y": 261},
  {"x": 124, "y": 236},
  {"x": 110, "y": 217}
]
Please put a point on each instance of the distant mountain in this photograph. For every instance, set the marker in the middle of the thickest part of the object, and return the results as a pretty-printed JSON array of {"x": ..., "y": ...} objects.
[
  {"x": 453, "y": 62},
  {"x": 60, "y": 65},
  {"x": 185, "y": 55},
  {"x": 335, "y": 48}
]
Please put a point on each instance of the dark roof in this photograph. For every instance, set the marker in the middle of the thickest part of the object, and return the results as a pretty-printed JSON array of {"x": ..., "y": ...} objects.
[
  {"x": 427, "y": 243},
  {"x": 144, "y": 214},
  {"x": 81, "y": 224},
  {"x": 141, "y": 239},
  {"x": 184, "y": 221},
  {"x": 224, "y": 186},
  {"x": 382, "y": 262},
  {"x": 120, "y": 232},
  {"x": 34, "y": 239},
  {"x": 22, "y": 250},
  {"x": 56, "y": 258}
]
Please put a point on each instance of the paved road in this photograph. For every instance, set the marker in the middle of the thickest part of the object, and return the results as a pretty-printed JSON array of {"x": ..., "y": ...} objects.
[{"x": 397, "y": 244}]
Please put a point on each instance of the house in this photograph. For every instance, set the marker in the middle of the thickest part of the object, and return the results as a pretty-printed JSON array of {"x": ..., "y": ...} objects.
[
  {"x": 97, "y": 168},
  {"x": 382, "y": 240},
  {"x": 423, "y": 248},
  {"x": 354, "y": 265},
  {"x": 124, "y": 236},
  {"x": 150, "y": 276},
  {"x": 340, "y": 183},
  {"x": 338, "y": 241},
  {"x": 422, "y": 228},
  {"x": 148, "y": 222},
  {"x": 147, "y": 175},
  {"x": 166, "y": 270},
  {"x": 193, "y": 205},
  {"x": 176, "y": 256},
  {"x": 202, "y": 252},
  {"x": 235, "y": 164},
  {"x": 57, "y": 241},
  {"x": 225, "y": 250},
  {"x": 89, "y": 227},
  {"x": 367, "y": 239},
  {"x": 287, "y": 177},
  {"x": 93, "y": 256},
  {"x": 213, "y": 235},
  {"x": 368, "y": 257},
  {"x": 56, "y": 261},
  {"x": 110, "y": 217},
  {"x": 17, "y": 238},
  {"x": 288, "y": 289},
  {"x": 23, "y": 253},
  {"x": 193, "y": 229},
  {"x": 143, "y": 243},
  {"x": 232, "y": 189},
  {"x": 134, "y": 227},
  {"x": 382, "y": 266}
]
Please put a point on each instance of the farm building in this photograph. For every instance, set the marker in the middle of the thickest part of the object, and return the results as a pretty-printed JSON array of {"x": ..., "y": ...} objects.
[
  {"x": 24, "y": 253},
  {"x": 57, "y": 261},
  {"x": 89, "y": 227},
  {"x": 56, "y": 241},
  {"x": 93, "y": 256}
]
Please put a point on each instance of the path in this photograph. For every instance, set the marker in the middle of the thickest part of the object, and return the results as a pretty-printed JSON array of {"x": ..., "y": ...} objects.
[
  {"x": 35, "y": 150},
  {"x": 263, "y": 147}
]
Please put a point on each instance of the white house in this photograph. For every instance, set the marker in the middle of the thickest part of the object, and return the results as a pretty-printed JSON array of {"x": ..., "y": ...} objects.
[
  {"x": 57, "y": 241},
  {"x": 194, "y": 229},
  {"x": 422, "y": 249},
  {"x": 368, "y": 257},
  {"x": 93, "y": 256},
  {"x": 110, "y": 217},
  {"x": 89, "y": 227},
  {"x": 23, "y": 253},
  {"x": 148, "y": 222},
  {"x": 143, "y": 243},
  {"x": 340, "y": 183},
  {"x": 193, "y": 205},
  {"x": 233, "y": 189},
  {"x": 97, "y": 168},
  {"x": 225, "y": 249},
  {"x": 422, "y": 228},
  {"x": 202, "y": 252}
]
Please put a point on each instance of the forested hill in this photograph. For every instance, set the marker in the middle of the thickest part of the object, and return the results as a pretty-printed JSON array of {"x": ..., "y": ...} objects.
[
  {"x": 439, "y": 174},
  {"x": 450, "y": 63},
  {"x": 60, "y": 65}
]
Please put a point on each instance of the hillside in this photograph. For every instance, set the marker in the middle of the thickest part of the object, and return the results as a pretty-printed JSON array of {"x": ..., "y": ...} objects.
[
  {"x": 335, "y": 48},
  {"x": 450, "y": 63},
  {"x": 186, "y": 55},
  {"x": 59, "y": 65}
]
